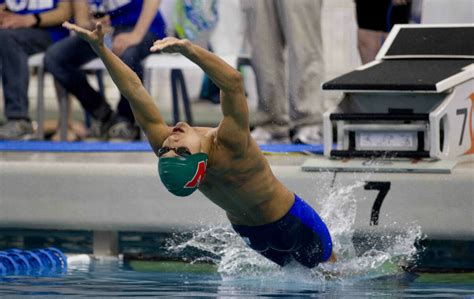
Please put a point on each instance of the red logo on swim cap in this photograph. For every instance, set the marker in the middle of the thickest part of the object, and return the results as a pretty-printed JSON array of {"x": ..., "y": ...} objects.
[{"x": 198, "y": 177}]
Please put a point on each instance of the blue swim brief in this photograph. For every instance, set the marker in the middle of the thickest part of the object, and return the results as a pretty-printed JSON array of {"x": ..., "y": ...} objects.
[{"x": 300, "y": 235}]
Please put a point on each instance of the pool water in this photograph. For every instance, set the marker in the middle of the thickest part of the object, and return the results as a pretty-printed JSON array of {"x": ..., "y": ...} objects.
[
  {"x": 219, "y": 264},
  {"x": 114, "y": 278}
]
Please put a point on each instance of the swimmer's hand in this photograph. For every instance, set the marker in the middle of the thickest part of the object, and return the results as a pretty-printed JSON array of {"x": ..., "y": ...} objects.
[
  {"x": 94, "y": 38},
  {"x": 172, "y": 45}
]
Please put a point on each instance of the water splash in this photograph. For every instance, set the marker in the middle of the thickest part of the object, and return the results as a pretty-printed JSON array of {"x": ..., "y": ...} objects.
[
  {"x": 393, "y": 251},
  {"x": 236, "y": 260},
  {"x": 338, "y": 210}
]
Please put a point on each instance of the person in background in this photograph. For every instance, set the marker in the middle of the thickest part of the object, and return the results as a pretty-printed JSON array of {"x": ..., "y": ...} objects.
[
  {"x": 26, "y": 28},
  {"x": 295, "y": 104},
  {"x": 195, "y": 20},
  {"x": 135, "y": 24},
  {"x": 375, "y": 19}
]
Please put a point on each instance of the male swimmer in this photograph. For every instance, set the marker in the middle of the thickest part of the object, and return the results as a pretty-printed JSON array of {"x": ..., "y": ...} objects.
[{"x": 224, "y": 163}]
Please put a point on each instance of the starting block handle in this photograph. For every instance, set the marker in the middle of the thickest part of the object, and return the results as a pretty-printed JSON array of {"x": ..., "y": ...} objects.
[
  {"x": 379, "y": 116},
  {"x": 379, "y": 154}
]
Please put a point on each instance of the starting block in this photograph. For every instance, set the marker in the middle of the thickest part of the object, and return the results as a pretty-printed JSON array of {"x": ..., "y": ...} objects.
[
  {"x": 414, "y": 101},
  {"x": 404, "y": 140}
]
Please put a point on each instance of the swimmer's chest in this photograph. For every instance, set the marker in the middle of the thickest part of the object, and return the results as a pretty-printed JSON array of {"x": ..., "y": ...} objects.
[
  {"x": 230, "y": 175},
  {"x": 230, "y": 192},
  {"x": 236, "y": 176}
]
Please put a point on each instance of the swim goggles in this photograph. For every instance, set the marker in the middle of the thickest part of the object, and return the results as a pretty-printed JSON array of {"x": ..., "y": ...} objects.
[{"x": 180, "y": 151}]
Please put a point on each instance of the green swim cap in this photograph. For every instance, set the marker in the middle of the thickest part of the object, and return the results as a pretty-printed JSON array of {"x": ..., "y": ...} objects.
[{"x": 182, "y": 175}]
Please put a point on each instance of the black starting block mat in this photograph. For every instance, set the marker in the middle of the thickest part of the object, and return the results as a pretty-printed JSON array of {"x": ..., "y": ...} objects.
[
  {"x": 434, "y": 42},
  {"x": 415, "y": 58},
  {"x": 398, "y": 74}
]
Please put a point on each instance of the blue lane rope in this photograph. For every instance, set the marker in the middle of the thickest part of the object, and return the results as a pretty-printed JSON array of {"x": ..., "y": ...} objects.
[
  {"x": 81, "y": 147},
  {"x": 36, "y": 262}
]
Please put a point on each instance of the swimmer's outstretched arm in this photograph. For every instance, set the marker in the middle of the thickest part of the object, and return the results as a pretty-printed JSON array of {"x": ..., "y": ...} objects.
[
  {"x": 144, "y": 109},
  {"x": 234, "y": 128}
]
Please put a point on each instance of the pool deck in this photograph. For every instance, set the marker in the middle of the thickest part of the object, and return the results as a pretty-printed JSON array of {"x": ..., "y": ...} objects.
[{"x": 99, "y": 191}]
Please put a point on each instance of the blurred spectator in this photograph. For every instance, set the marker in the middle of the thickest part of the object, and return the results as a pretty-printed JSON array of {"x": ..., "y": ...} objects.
[
  {"x": 293, "y": 100},
  {"x": 135, "y": 25},
  {"x": 26, "y": 27},
  {"x": 195, "y": 20},
  {"x": 375, "y": 19}
]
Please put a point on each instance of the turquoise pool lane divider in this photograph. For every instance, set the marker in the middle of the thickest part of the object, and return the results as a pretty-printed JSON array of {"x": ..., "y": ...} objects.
[{"x": 35, "y": 262}]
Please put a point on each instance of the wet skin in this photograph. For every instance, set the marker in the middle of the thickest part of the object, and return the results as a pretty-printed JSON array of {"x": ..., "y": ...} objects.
[
  {"x": 238, "y": 180},
  {"x": 238, "y": 177}
]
